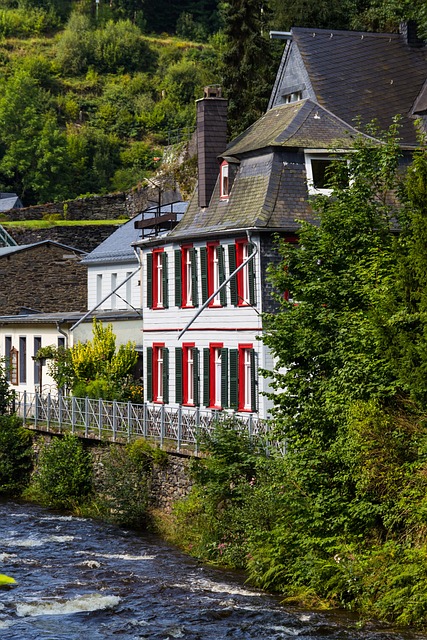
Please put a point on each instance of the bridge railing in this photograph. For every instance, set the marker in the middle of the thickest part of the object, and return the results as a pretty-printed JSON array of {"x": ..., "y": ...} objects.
[{"x": 181, "y": 428}]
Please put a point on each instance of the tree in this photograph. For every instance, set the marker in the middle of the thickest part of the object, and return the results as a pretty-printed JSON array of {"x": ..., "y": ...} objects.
[
  {"x": 247, "y": 67},
  {"x": 6, "y": 394}
]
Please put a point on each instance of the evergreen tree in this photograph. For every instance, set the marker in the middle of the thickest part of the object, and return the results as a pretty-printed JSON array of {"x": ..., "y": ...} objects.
[{"x": 247, "y": 63}]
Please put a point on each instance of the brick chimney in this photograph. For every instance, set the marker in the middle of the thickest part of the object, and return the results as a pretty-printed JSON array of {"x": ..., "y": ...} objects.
[{"x": 211, "y": 139}]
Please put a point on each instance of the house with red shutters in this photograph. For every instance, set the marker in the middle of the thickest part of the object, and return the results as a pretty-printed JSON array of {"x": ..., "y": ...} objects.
[{"x": 205, "y": 281}]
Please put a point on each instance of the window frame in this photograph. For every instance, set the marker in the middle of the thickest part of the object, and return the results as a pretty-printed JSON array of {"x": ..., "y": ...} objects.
[
  {"x": 309, "y": 156},
  {"x": 188, "y": 267},
  {"x": 157, "y": 279},
  {"x": 247, "y": 377},
  {"x": 224, "y": 181},
  {"x": 158, "y": 372},
  {"x": 215, "y": 273},
  {"x": 216, "y": 368},
  {"x": 188, "y": 374}
]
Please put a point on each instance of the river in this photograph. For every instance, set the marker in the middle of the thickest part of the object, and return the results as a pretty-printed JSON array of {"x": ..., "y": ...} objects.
[{"x": 83, "y": 580}]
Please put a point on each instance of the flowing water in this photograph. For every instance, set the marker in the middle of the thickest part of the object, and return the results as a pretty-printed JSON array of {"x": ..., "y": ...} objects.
[{"x": 84, "y": 580}]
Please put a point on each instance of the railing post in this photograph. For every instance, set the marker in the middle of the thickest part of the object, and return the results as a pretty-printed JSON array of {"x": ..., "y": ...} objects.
[
  {"x": 250, "y": 426},
  {"x": 36, "y": 413},
  {"x": 73, "y": 414},
  {"x": 197, "y": 428},
  {"x": 86, "y": 416},
  {"x": 162, "y": 424},
  {"x": 114, "y": 419},
  {"x": 129, "y": 420},
  {"x": 60, "y": 411},
  {"x": 178, "y": 444},
  {"x": 48, "y": 410},
  {"x": 100, "y": 418},
  {"x": 144, "y": 423},
  {"x": 25, "y": 407}
]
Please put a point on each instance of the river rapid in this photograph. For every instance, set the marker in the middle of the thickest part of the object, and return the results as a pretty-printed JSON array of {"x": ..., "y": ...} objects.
[{"x": 84, "y": 580}]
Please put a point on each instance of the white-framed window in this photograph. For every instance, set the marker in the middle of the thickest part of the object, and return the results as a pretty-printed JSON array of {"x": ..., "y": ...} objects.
[
  {"x": 318, "y": 167},
  {"x": 295, "y": 96},
  {"x": 224, "y": 191},
  {"x": 98, "y": 288}
]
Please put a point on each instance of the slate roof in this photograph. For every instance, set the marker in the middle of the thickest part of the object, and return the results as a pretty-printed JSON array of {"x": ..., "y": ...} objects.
[
  {"x": 366, "y": 75},
  {"x": 6, "y": 251},
  {"x": 69, "y": 317},
  {"x": 9, "y": 201},
  {"x": 270, "y": 188},
  {"x": 117, "y": 247}
]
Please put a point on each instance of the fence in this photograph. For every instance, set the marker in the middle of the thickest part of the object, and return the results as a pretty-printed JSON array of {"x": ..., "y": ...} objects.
[{"x": 177, "y": 427}]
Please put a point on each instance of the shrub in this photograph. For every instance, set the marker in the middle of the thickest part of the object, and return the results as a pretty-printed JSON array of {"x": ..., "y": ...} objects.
[
  {"x": 16, "y": 459},
  {"x": 64, "y": 474}
]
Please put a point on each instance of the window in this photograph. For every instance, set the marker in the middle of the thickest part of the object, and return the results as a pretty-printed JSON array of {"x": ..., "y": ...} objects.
[
  {"x": 186, "y": 277},
  {"x": 128, "y": 294},
  {"x": 215, "y": 376},
  {"x": 247, "y": 378},
  {"x": 187, "y": 375},
  {"x": 37, "y": 346},
  {"x": 7, "y": 350},
  {"x": 292, "y": 97},
  {"x": 224, "y": 190},
  {"x": 61, "y": 342},
  {"x": 22, "y": 360},
  {"x": 98, "y": 288},
  {"x": 242, "y": 286},
  {"x": 113, "y": 286},
  {"x": 157, "y": 279},
  {"x": 158, "y": 373},
  {"x": 213, "y": 273},
  {"x": 319, "y": 172}
]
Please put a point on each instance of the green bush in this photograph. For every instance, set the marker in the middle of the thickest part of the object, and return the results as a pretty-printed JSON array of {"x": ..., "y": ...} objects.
[
  {"x": 123, "y": 492},
  {"x": 27, "y": 22},
  {"x": 64, "y": 473},
  {"x": 16, "y": 458}
]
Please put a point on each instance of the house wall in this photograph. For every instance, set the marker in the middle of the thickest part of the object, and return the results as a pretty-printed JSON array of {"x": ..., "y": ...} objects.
[
  {"x": 229, "y": 325},
  {"x": 124, "y": 330},
  {"x": 47, "y": 278},
  {"x": 100, "y": 282},
  {"x": 48, "y": 335}
]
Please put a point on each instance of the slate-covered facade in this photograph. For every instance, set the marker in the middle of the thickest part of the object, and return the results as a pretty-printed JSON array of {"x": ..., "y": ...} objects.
[{"x": 202, "y": 342}]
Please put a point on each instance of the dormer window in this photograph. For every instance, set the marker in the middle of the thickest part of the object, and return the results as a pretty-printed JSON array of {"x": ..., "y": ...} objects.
[
  {"x": 319, "y": 176},
  {"x": 224, "y": 181},
  {"x": 295, "y": 96}
]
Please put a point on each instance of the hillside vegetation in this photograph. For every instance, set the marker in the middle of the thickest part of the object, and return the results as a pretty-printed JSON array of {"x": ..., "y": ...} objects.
[{"x": 92, "y": 90}]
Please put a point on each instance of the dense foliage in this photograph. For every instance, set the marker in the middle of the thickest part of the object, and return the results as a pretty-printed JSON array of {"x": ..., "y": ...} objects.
[
  {"x": 96, "y": 368},
  {"x": 64, "y": 474},
  {"x": 342, "y": 516},
  {"x": 15, "y": 456}
]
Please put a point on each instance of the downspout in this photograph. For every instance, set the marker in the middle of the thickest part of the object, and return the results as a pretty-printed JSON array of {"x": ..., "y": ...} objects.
[
  {"x": 104, "y": 299},
  {"x": 221, "y": 286},
  {"x": 62, "y": 332}
]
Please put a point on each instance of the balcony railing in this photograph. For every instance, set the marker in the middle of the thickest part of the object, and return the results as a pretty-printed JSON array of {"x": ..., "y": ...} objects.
[{"x": 179, "y": 428}]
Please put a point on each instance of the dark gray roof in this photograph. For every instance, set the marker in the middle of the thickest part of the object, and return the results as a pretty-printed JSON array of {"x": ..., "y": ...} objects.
[
  {"x": 366, "y": 75},
  {"x": 269, "y": 190},
  {"x": 118, "y": 246},
  {"x": 6, "y": 251},
  {"x": 9, "y": 201},
  {"x": 70, "y": 317}
]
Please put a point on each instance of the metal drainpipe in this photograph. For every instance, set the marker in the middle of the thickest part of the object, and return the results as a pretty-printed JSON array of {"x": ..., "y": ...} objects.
[
  {"x": 62, "y": 332},
  {"x": 221, "y": 286}
]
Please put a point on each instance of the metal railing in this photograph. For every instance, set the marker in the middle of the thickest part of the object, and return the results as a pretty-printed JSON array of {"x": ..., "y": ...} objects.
[{"x": 179, "y": 428}]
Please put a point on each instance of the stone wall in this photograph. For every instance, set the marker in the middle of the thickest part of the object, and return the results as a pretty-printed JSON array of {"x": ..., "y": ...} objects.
[
  {"x": 109, "y": 207},
  {"x": 85, "y": 237},
  {"x": 169, "y": 483},
  {"x": 47, "y": 278}
]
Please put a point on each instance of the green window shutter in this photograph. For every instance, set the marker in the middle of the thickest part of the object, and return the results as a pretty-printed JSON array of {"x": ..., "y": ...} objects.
[
  {"x": 221, "y": 266},
  {"x": 206, "y": 377},
  {"x": 194, "y": 282},
  {"x": 150, "y": 280},
  {"x": 254, "y": 372},
  {"x": 204, "y": 273},
  {"x": 233, "y": 282},
  {"x": 178, "y": 278},
  {"x": 234, "y": 377},
  {"x": 251, "y": 277},
  {"x": 149, "y": 389},
  {"x": 165, "y": 375},
  {"x": 178, "y": 375},
  {"x": 196, "y": 358},
  {"x": 165, "y": 279},
  {"x": 224, "y": 378}
]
